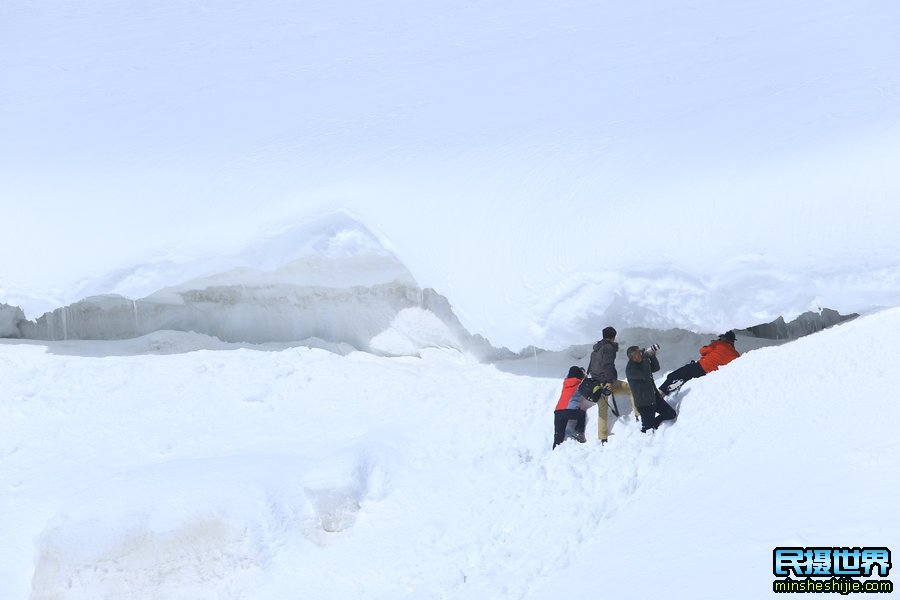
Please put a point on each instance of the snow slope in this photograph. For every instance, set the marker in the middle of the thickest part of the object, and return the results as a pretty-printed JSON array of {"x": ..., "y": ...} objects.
[
  {"x": 548, "y": 168},
  {"x": 240, "y": 473}
]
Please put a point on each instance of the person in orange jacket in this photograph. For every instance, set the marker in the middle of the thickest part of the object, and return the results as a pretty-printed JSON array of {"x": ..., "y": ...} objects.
[
  {"x": 570, "y": 406},
  {"x": 712, "y": 356}
]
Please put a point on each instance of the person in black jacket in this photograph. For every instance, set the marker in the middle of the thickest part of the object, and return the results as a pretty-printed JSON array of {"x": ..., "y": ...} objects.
[
  {"x": 603, "y": 359},
  {"x": 603, "y": 368},
  {"x": 650, "y": 404}
]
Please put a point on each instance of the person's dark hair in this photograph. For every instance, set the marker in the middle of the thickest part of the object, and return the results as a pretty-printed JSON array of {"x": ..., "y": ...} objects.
[
  {"x": 609, "y": 332},
  {"x": 728, "y": 335},
  {"x": 631, "y": 350},
  {"x": 576, "y": 372}
]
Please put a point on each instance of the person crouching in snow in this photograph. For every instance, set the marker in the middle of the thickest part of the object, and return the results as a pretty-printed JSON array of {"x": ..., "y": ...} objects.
[
  {"x": 712, "y": 356},
  {"x": 639, "y": 372},
  {"x": 571, "y": 405}
]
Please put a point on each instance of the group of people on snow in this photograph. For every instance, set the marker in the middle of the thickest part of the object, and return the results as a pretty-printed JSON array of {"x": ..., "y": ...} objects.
[{"x": 582, "y": 388}]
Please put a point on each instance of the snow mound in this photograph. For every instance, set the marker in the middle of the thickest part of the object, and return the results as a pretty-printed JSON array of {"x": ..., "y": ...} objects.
[
  {"x": 329, "y": 280},
  {"x": 201, "y": 526},
  {"x": 735, "y": 294}
]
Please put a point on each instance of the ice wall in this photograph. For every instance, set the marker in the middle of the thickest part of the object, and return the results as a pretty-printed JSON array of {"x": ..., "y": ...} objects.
[
  {"x": 334, "y": 281},
  {"x": 330, "y": 280},
  {"x": 381, "y": 319},
  {"x": 805, "y": 324}
]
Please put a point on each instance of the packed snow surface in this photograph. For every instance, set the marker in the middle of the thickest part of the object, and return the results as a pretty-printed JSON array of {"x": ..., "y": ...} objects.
[
  {"x": 177, "y": 466},
  {"x": 547, "y": 167}
]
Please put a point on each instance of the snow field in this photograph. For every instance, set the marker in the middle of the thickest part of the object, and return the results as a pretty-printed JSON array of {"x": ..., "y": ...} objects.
[
  {"x": 222, "y": 457},
  {"x": 210, "y": 474},
  {"x": 299, "y": 473}
]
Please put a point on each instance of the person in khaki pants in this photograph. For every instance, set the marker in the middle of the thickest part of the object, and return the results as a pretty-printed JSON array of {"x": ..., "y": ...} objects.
[{"x": 603, "y": 368}]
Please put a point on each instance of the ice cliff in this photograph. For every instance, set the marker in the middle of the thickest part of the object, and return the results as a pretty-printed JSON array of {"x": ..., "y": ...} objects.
[{"x": 329, "y": 283}]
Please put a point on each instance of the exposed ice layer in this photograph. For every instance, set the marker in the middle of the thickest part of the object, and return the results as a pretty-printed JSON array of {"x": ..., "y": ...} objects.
[
  {"x": 330, "y": 280},
  {"x": 10, "y": 319},
  {"x": 383, "y": 319},
  {"x": 805, "y": 324}
]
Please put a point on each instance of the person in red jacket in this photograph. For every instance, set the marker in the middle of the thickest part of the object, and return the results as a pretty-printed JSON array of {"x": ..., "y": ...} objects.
[
  {"x": 570, "y": 406},
  {"x": 712, "y": 356}
]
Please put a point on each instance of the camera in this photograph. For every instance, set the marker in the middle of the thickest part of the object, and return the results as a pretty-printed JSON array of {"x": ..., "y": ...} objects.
[{"x": 653, "y": 348}]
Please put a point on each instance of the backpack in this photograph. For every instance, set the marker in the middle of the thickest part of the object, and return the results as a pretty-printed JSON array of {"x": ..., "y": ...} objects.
[{"x": 592, "y": 390}]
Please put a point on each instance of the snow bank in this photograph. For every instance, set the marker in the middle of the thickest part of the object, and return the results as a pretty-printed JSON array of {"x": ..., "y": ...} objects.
[
  {"x": 732, "y": 295},
  {"x": 200, "y": 528}
]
